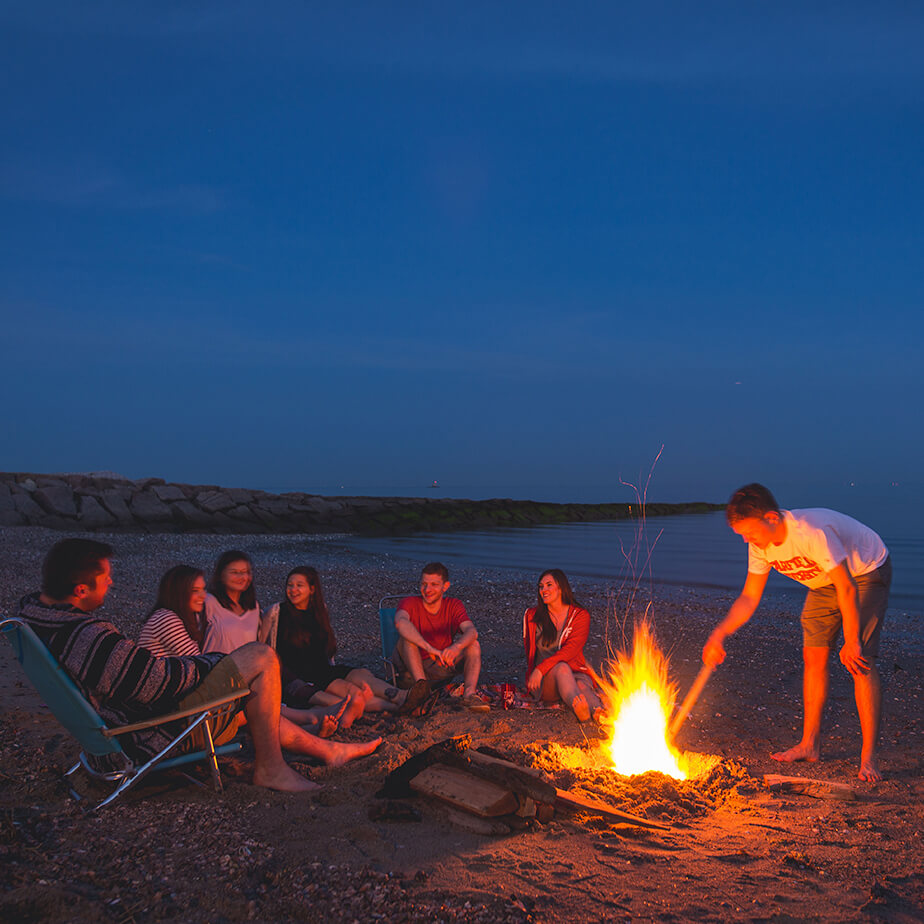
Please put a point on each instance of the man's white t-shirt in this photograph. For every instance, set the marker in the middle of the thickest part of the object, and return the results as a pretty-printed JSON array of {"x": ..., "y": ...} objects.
[{"x": 817, "y": 541}]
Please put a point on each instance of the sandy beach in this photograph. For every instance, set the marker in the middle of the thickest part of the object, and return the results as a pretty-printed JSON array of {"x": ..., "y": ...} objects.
[{"x": 735, "y": 851}]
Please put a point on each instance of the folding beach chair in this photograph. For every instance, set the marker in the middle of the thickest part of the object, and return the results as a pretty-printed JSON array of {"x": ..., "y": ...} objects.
[
  {"x": 389, "y": 633},
  {"x": 77, "y": 715}
]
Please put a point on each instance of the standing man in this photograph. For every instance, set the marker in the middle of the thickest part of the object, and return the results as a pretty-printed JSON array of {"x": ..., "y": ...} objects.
[
  {"x": 437, "y": 639},
  {"x": 127, "y": 684},
  {"x": 847, "y": 569}
]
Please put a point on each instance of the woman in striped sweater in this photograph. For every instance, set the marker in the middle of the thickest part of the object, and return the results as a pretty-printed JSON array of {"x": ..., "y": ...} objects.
[{"x": 176, "y": 625}]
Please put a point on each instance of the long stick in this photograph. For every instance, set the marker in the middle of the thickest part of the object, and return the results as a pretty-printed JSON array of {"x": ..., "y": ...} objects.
[{"x": 705, "y": 672}]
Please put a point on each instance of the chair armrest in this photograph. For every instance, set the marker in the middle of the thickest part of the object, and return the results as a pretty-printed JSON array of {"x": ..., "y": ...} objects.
[{"x": 173, "y": 716}]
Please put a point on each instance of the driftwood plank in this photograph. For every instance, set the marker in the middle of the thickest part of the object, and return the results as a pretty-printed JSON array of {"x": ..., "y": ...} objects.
[
  {"x": 525, "y": 782},
  {"x": 569, "y": 802},
  {"x": 461, "y": 789},
  {"x": 806, "y": 786}
]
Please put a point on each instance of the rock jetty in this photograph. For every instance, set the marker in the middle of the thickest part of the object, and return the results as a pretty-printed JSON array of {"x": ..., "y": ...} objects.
[{"x": 109, "y": 503}]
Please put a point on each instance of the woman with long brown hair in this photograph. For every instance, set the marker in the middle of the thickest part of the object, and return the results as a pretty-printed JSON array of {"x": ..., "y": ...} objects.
[
  {"x": 555, "y": 631},
  {"x": 301, "y": 631},
  {"x": 175, "y": 627}
]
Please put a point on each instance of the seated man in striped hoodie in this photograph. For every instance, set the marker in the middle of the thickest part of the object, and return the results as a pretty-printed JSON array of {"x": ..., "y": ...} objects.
[{"x": 126, "y": 683}]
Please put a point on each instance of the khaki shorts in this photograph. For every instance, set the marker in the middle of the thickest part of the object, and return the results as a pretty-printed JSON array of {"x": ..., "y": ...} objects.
[
  {"x": 222, "y": 679},
  {"x": 821, "y": 616},
  {"x": 435, "y": 672}
]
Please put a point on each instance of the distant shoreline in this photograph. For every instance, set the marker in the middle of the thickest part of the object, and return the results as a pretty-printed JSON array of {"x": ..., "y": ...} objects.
[{"x": 108, "y": 503}]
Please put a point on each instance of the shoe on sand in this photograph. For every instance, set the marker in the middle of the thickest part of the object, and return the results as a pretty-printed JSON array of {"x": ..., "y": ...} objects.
[
  {"x": 416, "y": 697},
  {"x": 476, "y": 703}
]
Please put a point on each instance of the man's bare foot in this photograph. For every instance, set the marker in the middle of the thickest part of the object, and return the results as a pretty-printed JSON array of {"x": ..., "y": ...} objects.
[
  {"x": 343, "y": 751},
  {"x": 799, "y": 752},
  {"x": 869, "y": 770},
  {"x": 283, "y": 779}
]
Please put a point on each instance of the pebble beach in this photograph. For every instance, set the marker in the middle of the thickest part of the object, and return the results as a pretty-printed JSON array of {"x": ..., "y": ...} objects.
[{"x": 737, "y": 851}]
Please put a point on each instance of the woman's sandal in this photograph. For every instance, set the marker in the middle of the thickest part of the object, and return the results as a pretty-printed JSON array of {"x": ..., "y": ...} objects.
[{"x": 425, "y": 707}]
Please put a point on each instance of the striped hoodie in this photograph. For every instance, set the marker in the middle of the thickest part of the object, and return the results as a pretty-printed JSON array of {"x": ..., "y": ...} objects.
[{"x": 124, "y": 682}]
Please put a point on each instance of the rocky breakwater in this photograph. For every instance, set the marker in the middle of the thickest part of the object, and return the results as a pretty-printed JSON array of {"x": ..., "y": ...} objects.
[{"x": 110, "y": 504}]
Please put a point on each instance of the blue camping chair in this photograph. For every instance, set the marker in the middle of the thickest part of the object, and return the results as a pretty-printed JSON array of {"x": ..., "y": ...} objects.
[
  {"x": 71, "y": 708},
  {"x": 389, "y": 633}
]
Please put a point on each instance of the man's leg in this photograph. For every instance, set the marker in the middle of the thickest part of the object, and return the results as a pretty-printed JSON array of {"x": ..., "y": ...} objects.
[
  {"x": 814, "y": 694},
  {"x": 471, "y": 667},
  {"x": 868, "y": 694},
  {"x": 259, "y": 669},
  {"x": 873, "y": 590},
  {"x": 413, "y": 662},
  {"x": 294, "y": 738}
]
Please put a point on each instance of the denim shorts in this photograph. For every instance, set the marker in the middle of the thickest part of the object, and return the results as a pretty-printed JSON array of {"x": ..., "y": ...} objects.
[{"x": 821, "y": 616}]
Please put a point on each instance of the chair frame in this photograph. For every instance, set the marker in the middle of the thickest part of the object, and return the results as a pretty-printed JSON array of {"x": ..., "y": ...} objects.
[
  {"x": 71, "y": 708},
  {"x": 389, "y": 634}
]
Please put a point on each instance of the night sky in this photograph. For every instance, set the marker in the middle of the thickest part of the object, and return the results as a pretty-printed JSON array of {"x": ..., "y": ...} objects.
[{"x": 295, "y": 246}]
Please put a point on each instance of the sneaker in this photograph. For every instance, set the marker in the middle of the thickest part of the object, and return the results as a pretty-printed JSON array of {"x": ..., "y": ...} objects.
[{"x": 476, "y": 703}]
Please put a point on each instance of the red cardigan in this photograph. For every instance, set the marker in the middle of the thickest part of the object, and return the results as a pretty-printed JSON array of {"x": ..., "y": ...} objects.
[{"x": 570, "y": 645}]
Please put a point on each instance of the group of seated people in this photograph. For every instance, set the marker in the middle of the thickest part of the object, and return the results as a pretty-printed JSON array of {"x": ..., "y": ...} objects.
[{"x": 205, "y": 639}]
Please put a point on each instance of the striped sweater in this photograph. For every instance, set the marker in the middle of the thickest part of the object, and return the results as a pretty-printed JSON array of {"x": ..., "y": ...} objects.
[
  {"x": 165, "y": 636},
  {"x": 124, "y": 682}
]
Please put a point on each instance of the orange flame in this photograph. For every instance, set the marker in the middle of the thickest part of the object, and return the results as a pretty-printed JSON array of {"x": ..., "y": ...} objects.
[{"x": 641, "y": 700}]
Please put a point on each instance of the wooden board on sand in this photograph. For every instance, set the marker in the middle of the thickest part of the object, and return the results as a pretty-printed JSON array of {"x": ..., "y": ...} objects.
[{"x": 461, "y": 789}]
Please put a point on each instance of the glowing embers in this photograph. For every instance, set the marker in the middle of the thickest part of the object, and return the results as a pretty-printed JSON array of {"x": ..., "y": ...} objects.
[{"x": 641, "y": 701}]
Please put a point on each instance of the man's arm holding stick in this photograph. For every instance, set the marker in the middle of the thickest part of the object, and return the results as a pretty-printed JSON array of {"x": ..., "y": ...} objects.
[{"x": 738, "y": 614}]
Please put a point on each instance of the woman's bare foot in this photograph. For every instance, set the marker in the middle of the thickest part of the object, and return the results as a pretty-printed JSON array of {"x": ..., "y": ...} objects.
[
  {"x": 580, "y": 708},
  {"x": 353, "y": 707},
  {"x": 343, "y": 751},
  {"x": 801, "y": 751},
  {"x": 327, "y": 727},
  {"x": 869, "y": 770},
  {"x": 283, "y": 779}
]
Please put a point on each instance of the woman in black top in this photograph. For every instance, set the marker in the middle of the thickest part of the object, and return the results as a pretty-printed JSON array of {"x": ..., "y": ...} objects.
[{"x": 306, "y": 645}]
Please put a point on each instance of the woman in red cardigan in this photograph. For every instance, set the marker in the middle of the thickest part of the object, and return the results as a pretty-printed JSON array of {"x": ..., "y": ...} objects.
[{"x": 554, "y": 633}]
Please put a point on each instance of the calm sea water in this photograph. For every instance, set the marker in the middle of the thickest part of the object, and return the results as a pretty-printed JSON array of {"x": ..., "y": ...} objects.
[{"x": 693, "y": 551}]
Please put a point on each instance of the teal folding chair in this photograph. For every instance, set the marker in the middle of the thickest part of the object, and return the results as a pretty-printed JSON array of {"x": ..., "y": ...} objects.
[
  {"x": 71, "y": 708},
  {"x": 389, "y": 633}
]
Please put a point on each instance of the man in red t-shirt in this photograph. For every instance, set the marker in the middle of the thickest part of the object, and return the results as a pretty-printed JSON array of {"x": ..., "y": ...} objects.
[{"x": 437, "y": 639}]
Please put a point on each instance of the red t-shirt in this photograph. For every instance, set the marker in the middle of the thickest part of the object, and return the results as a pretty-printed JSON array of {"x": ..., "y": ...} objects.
[{"x": 438, "y": 629}]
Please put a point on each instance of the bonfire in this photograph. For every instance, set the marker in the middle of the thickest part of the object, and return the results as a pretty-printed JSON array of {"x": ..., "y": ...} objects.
[{"x": 641, "y": 700}]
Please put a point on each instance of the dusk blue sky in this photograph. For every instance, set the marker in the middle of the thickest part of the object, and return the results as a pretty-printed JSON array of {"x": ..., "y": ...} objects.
[{"x": 514, "y": 246}]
